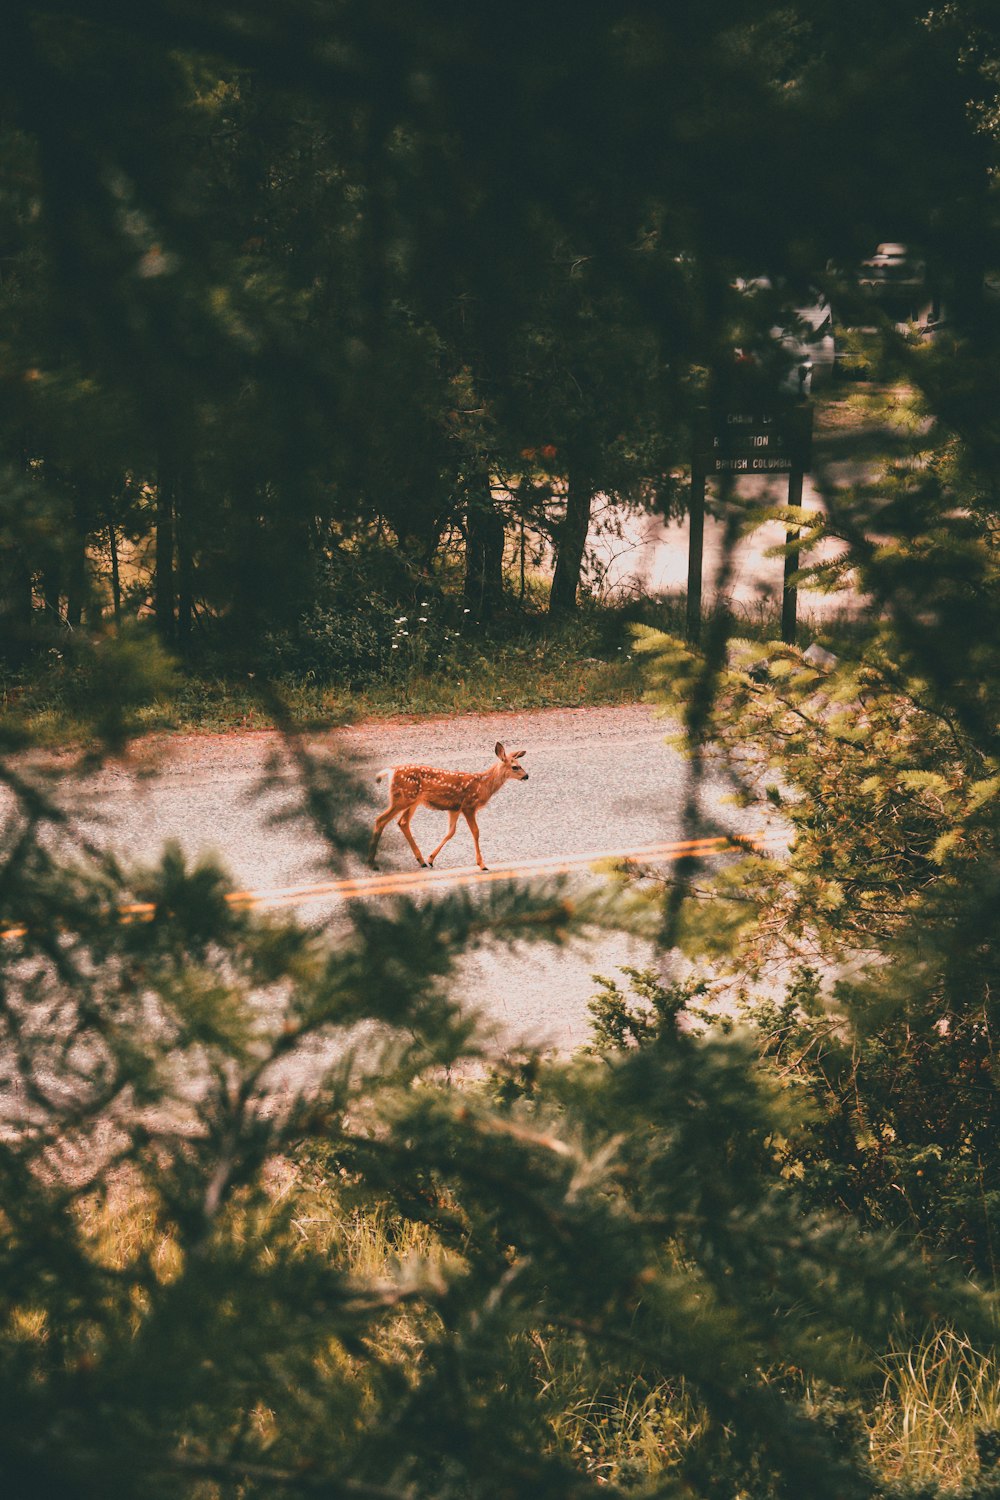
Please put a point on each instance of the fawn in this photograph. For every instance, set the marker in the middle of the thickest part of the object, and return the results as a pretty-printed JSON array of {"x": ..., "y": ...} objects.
[{"x": 453, "y": 792}]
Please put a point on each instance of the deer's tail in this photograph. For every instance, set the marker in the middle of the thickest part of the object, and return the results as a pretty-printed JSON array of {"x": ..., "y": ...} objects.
[{"x": 385, "y": 771}]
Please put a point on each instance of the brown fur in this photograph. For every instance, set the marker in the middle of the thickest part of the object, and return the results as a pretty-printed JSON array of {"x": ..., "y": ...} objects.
[{"x": 458, "y": 793}]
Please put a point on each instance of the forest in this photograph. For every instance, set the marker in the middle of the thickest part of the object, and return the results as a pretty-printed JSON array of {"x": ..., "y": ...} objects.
[{"x": 314, "y": 312}]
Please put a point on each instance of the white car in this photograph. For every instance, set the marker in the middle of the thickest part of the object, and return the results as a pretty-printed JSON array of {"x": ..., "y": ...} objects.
[
  {"x": 895, "y": 278},
  {"x": 811, "y": 343},
  {"x": 805, "y": 334},
  {"x": 892, "y": 268}
]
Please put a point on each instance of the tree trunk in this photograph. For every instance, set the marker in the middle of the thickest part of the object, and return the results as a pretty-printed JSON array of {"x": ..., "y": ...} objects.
[
  {"x": 571, "y": 544},
  {"x": 185, "y": 564},
  {"x": 76, "y": 582},
  {"x": 484, "y": 539},
  {"x": 17, "y": 601},
  {"x": 15, "y": 606},
  {"x": 164, "y": 594},
  {"x": 116, "y": 582},
  {"x": 52, "y": 593}
]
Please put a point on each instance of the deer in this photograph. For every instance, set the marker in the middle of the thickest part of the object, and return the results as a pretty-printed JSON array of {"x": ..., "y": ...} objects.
[{"x": 453, "y": 792}]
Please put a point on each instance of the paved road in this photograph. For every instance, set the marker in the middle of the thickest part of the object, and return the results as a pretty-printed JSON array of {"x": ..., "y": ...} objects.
[{"x": 601, "y": 781}]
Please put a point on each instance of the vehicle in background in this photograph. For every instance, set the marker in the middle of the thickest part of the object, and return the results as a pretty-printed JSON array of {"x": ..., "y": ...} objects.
[
  {"x": 810, "y": 342},
  {"x": 892, "y": 266},
  {"x": 895, "y": 278},
  {"x": 802, "y": 336}
]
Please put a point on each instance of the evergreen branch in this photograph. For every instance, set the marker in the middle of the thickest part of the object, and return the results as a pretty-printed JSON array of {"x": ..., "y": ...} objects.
[
  {"x": 334, "y": 1487},
  {"x": 494, "y": 1125},
  {"x": 819, "y": 726}
]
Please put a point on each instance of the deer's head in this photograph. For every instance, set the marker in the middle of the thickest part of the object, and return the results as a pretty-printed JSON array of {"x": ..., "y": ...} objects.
[{"x": 512, "y": 770}]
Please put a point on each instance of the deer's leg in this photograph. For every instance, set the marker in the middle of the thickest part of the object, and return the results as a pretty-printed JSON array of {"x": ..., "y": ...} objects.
[
  {"x": 470, "y": 818},
  {"x": 404, "y": 824},
  {"x": 380, "y": 824},
  {"x": 452, "y": 825}
]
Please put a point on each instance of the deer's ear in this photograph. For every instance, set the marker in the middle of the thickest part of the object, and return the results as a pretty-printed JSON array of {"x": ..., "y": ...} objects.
[
  {"x": 517, "y": 754},
  {"x": 499, "y": 750}
]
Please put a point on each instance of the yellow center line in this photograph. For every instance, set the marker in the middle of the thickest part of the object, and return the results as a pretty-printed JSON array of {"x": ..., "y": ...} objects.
[
  {"x": 429, "y": 876},
  {"x": 406, "y": 884},
  {"x": 403, "y": 882}
]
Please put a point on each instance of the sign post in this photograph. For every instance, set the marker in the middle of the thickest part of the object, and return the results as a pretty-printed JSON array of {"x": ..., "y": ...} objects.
[
  {"x": 696, "y": 549},
  {"x": 756, "y": 441},
  {"x": 789, "y": 592}
]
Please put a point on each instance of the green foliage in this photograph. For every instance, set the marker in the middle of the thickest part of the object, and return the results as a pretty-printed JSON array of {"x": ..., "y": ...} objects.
[
  {"x": 880, "y": 768},
  {"x": 904, "y": 1114},
  {"x": 232, "y": 1089},
  {"x": 618, "y": 1023},
  {"x": 261, "y": 286},
  {"x": 355, "y": 627},
  {"x": 274, "y": 286},
  {"x": 110, "y": 687},
  {"x": 572, "y": 664}
]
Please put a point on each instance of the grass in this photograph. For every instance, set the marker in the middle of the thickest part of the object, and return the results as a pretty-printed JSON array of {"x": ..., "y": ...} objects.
[
  {"x": 936, "y": 1398},
  {"x": 583, "y": 663},
  {"x": 618, "y": 1431},
  {"x": 506, "y": 679},
  {"x": 586, "y": 662},
  {"x": 923, "y": 1413},
  {"x": 617, "y": 1434}
]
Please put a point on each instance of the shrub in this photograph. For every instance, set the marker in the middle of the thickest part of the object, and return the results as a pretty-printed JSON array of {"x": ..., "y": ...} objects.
[{"x": 368, "y": 621}]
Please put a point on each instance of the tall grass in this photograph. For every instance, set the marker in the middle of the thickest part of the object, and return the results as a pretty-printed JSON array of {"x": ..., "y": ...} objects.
[
  {"x": 925, "y": 1416},
  {"x": 620, "y": 1432},
  {"x": 937, "y": 1396},
  {"x": 924, "y": 1412}
]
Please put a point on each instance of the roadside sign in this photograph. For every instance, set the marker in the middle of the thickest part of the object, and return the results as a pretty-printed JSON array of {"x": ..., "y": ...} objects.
[
  {"x": 757, "y": 441},
  {"x": 749, "y": 441}
]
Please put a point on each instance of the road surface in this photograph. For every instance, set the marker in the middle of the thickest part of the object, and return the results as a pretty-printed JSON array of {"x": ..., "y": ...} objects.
[{"x": 602, "y": 783}]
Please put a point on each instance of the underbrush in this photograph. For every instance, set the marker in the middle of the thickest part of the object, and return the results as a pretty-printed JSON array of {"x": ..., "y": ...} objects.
[
  {"x": 432, "y": 668},
  {"x": 936, "y": 1419},
  {"x": 931, "y": 1417},
  {"x": 522, "y": 663},
  {"x": 566, "y": 668}
]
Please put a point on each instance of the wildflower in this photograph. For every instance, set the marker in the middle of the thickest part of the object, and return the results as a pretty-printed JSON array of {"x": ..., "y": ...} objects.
[{"x": 423, "y": 619}]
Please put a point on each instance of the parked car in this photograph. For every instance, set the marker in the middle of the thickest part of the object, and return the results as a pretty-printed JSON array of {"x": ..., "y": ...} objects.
[
  {"x": 895, "y": 277},
  {"x": 892, "y": 266}
]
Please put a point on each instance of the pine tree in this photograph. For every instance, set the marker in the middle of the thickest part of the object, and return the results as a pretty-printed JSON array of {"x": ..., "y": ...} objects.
[{"x": 210, "y": 1120}]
